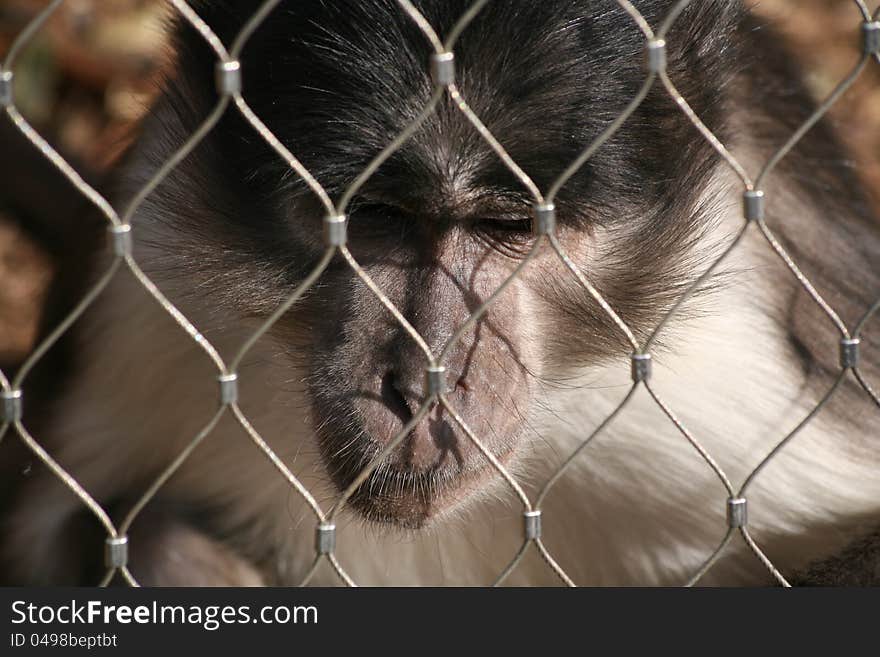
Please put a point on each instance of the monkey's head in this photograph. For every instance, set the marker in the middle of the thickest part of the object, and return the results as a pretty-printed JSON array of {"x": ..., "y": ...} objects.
[{"x": 444, "y": 222}]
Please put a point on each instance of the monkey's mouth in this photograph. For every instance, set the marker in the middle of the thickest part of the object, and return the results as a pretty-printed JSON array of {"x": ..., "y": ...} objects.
[
  {"x": 412, "y": 499},
  {"x": 414, "y": 484},
  {"x": 439, "y": 465}
]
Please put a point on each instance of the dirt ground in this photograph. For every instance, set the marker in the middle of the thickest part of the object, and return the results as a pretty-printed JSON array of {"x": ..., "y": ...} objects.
[{"x": 92, "y": 71}]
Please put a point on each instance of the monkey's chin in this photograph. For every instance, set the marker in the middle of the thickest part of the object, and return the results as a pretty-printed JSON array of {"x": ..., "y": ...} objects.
[{"x": 408, "y": 499}]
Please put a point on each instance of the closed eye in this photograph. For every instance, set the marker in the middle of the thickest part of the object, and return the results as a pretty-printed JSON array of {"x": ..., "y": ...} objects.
[
  {"x": 510, "y": 237},
  {"x": 371, "y": 220},
  {"x": 377, "y": 210},
  {"x": 507, "y": 226}
]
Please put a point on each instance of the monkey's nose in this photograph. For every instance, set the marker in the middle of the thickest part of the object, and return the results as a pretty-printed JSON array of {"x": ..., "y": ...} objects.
[
  {"x": 399, "y": 397},
  {"x": 408, "y": 387},
  {"x": 433, "y": 439}
]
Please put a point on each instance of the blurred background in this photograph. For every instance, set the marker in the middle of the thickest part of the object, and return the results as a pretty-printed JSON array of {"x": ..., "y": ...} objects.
[{"x": 90, "y": 74}]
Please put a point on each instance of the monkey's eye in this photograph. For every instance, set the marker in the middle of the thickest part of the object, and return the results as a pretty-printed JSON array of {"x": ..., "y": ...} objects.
[
  {"x": 375, "y": 209},
  {"x": 377, "y": 220},
  {"x": 505, "y": 227},
  {"x": 511, "y": 237}
]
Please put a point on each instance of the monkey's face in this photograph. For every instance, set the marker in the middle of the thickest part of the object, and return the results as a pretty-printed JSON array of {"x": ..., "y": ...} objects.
[
  {"x": 368, "y": 373},
  {"x": 443, "y": 223}
]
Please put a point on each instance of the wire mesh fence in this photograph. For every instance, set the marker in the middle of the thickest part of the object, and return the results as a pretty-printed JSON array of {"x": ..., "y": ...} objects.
[{"x": 232, "y": 89}]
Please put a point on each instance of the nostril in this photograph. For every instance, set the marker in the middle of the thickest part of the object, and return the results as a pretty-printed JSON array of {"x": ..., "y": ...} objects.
[{"x": 393, "y": 397}]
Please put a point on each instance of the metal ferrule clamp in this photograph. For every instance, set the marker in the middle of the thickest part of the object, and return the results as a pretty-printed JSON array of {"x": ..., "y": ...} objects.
[
  {"x": 443, "y": 69},
  {"x": 227, "y": 77}
]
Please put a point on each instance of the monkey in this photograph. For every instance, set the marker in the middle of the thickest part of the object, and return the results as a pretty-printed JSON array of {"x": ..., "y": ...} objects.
[{"x": 438, "y": 228}]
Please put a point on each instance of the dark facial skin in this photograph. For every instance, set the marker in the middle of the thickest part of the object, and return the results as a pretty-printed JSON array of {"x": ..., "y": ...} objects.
[{"x": 443, "y": 223}]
